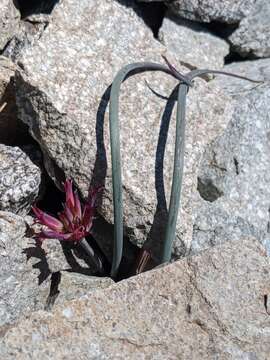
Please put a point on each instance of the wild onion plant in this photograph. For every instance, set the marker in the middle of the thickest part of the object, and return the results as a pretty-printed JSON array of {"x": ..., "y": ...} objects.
[
  {"x": 185, "y": 81},
  {"x": 74, "y": 223}
]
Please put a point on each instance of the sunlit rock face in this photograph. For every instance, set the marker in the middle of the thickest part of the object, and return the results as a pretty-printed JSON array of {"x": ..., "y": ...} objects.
[
  {"x": 20, "y": 180},
  {"x": 234, "y": 175},
  {"x": 214, "y": 305},
  {"x": 252, "y": 38},
  {"x": 226, "y": 11}
]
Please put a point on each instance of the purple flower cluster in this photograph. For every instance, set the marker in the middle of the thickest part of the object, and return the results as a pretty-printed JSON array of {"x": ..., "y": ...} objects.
[{"x": 74, "y": 222}]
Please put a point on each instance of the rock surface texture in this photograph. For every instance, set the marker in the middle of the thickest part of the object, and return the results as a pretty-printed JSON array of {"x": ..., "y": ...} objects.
[
  {"x": 19, "y": 180},
  {"x": 9, "y": 21},
  {"x": 31, "y": 277},
  {"x": 211, "y": 306},
  {"x": 65, "y": 111},
  {"x": 192, "y": 44},
  {"x": 226, "y": 11},
  {"x": 29, "y": 31},
  {"x": 19, "y": 290},
  {"x": 234, "y": 174},
  {"x": 75, "y": 285},
  {"x": 9, "y": 126},
  {"x": 252, "y": 38},
  {"x": 12, "y": 130}
]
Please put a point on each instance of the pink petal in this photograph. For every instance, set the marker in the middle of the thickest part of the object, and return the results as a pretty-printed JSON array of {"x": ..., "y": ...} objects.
[
  {"x": 69, "y": 194},
  {"x": 47, "y": 234},
  {"x": 88, "y": 213},
  {"x": 48, "y": 220},
  {"x": 68, "y": 214},
  {"x": 77, "y": 208},
  {"x": 64, "y": 220},
  {"x": 89, "y": 209}
]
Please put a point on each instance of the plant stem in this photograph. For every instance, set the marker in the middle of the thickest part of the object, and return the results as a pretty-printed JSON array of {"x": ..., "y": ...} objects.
[
  {"x": 94, "y": 258},
  {"x": 179, "y": 156},
  {"x": 177, "y": 173},
  {"x": 121, "y": 76}
]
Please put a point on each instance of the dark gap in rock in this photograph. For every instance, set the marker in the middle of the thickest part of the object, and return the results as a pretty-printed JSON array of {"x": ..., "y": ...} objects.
[
  {"x": 52, "y": 199},
  {"x": 208, "y": 191},
  {"x": 151, "y": 13},
  {"x": 221, "y": 30},
  {"x": 224, "y": 31},
  {"x": 13, "y": 132},
  {"x": 240, "y": 56},
  {"x": 126, "y": 269},
  {"x": 130, "y": 251},
  {"x": 233, "y": 57},
  {"x": 265, "y": 302},
  {"x": 236, "y": 164},
  {"x": 30, "y": 7}
]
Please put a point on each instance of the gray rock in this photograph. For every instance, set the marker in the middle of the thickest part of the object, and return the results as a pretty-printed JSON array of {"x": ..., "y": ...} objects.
[
  {"x": 19, "y": 180},
  {"x": 9, "y": 21},
  {"x": 71, "y": 285},
  {"x": 15, "y": 33},
  {"x": 255, "y": 69},
  {"x": 12, "y": 130},
  {"x": 20, "y": 292},
  {"x": 8, "y": 115},
  {"x": 29, "y": 31},
  {"x": 65, "y": 110},
  {"x": 212, "y": 306},
  {"x": 234, "y": 173},
  {"x": 252, "y": 38},
  {"x": 226, "y": 11},
  {"x": 192, "y": 44},
  {"x": 213, "y": 226},
  {"x": 26, "y": 272}
]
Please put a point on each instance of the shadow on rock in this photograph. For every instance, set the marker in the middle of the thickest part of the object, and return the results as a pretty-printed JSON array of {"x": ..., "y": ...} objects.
[{"x": 38, "y": 253}]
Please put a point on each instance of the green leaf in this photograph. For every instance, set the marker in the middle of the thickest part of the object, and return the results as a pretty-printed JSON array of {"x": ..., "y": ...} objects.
[
  {"x": 185, "y": 81},
  {"x": 179, "y": 158},
  {"x": 121, "y": 76}
]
